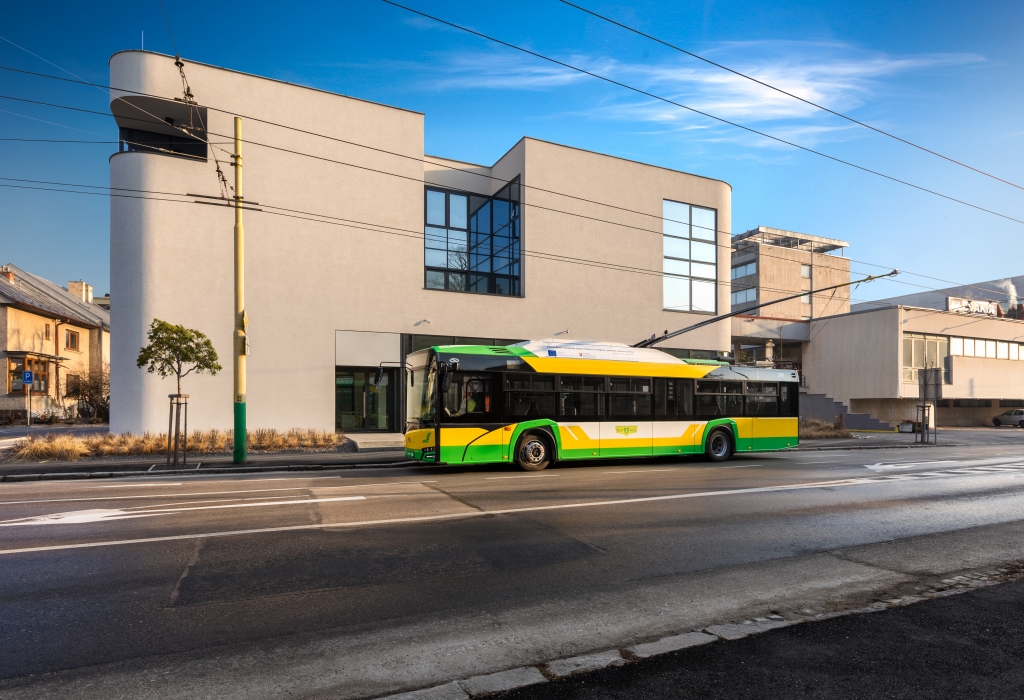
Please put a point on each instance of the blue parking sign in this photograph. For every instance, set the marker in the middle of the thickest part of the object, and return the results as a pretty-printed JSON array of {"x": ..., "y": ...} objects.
[{"x": 26, "y": 377}]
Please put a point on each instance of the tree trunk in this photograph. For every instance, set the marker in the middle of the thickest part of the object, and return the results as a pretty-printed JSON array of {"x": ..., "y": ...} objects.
[{"x": 177, "y": 427}]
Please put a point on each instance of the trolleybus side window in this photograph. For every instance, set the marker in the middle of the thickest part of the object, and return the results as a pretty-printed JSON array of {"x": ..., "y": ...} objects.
[
  {"x": 530, "y": 396},
  {"x": 788, "y": 393},
  {"x": 581, "y": 396},
  {"x": 629, "y": 396},
  {"x": 471, "y": 397},
  {"x": 673, "y": 399},
  {"x": 716, "y": 398},
  {"x": 762, "y": 399}
]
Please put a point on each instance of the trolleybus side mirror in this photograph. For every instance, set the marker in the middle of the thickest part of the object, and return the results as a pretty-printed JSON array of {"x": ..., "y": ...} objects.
[{"x": 380, "y": 375}]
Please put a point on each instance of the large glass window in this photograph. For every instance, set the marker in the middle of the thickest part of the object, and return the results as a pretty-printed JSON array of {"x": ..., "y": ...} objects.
[
  {"x": 744, "y": 296},
  {"x": 472, "y": 243},
  {"x": 925, "y": 352},
  {"x": 690, "y": 257},
  {"x": 744, "y": 270}
]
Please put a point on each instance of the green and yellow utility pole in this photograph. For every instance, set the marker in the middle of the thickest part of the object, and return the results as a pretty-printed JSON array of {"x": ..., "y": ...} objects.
[{"x": 241, "y": 342}]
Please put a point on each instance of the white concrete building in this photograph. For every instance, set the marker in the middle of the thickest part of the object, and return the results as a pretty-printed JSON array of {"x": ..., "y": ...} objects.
[{"x": 361, "y": 248}]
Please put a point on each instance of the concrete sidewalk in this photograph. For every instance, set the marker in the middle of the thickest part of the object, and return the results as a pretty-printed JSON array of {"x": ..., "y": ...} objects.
[
  {"x": 964, "y": 646},
  {"x": 157, "y": 464}
]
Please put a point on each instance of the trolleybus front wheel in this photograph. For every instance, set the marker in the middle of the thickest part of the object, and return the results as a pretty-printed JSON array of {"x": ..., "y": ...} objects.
[
  {"x": 719, "y": 446},
  {"x": 534, "y": 452}
]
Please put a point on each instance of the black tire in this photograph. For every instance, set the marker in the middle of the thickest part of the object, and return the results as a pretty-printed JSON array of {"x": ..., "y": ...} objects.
[
  {"x": 534, "y": 452},
  {"x": 719, "y": 446},
  {"x": 995, "y": 422},
  {"x": 1021, "y": 424}
]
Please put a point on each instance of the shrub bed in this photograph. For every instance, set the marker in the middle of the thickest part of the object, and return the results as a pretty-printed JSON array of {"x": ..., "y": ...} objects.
[{"x": 70, "y": 448}]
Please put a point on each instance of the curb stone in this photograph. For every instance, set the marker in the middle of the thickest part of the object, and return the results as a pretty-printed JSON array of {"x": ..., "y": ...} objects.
[
  {"x": 503, "y": 680},
  {"x": 667, "y": 644},
  {"x": 448, "y": 691},
  {"x": 587, "y": 662},
  {"x": 524, "y": 676},
  {"x": 745, "y": 629}
]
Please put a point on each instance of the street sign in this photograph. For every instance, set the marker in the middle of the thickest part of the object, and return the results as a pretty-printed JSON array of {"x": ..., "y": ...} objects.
[{"x": 26, "y": 377}]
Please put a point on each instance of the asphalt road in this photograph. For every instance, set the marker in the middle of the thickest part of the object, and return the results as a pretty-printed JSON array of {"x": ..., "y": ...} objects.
[{"x": 176, "y": 573}]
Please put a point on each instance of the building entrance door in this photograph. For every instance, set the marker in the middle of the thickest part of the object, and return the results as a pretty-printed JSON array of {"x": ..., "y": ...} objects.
[{"x": 361, "y": 405}]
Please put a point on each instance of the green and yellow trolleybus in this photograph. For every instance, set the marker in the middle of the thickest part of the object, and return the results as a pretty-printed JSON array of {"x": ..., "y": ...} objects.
[{"x": 541, "y": 401}]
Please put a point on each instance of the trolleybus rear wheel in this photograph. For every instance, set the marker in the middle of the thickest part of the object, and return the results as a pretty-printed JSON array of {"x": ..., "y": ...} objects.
[
  {"x": 534, "y": 452},
  {"x": 719, "y": 446}
]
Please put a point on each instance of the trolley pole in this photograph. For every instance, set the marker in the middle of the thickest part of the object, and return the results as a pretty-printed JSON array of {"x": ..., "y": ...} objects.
[{"x": 241, "y": 342}]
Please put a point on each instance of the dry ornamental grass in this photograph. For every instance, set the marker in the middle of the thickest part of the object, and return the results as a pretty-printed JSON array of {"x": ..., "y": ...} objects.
[
  {"x": 70, "y": 448},
  {"x": 814, "y": 429}
]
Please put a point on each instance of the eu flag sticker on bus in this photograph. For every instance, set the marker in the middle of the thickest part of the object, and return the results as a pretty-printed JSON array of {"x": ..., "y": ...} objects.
[
  {"x": 552, "y": 353},
  {"x": 26, "y": 377}
]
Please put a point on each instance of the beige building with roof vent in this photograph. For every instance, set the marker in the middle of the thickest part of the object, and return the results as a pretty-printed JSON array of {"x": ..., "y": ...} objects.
[
  {"x": 373, "y": 249},
  {"x": 54, "y": 333}
]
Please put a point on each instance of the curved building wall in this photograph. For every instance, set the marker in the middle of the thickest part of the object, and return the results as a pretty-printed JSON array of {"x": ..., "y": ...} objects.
[{"x": 363, "y": 269}]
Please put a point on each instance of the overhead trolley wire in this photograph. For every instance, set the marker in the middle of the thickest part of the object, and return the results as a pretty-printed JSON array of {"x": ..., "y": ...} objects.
[
  {"x": 443, "y": 165},
  {"x": 637, "y": 90},
  {"x": 425, "y": 161},
  {"x": 787, "y": 93},
  {"x": 536, "y": 206},
  {"x": 334, "y": 220}
]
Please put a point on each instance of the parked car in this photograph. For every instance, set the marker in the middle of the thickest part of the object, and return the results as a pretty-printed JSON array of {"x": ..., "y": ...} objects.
[{"x": 1014, "y": 417}]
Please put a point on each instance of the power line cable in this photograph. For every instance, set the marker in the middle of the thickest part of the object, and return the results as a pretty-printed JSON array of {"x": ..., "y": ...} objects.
[
  {"x": 435, "y": 163},
  {"x": 702, "y": 113},
  {"x": 308, "y": 216},
  {"x": 384, "y": 172},
  {"x": 431, "y": 162},
  {"x": 785, "y": 92}
]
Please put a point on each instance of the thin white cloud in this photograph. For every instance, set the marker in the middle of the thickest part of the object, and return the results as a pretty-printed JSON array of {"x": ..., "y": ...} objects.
[{"x": 836, "y": 75}]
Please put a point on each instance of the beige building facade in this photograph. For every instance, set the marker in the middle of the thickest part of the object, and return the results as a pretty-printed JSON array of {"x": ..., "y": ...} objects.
[
  {"x": 58, "y": 335},
  {"x": 360, "y": 248},
  {"x": 869, "y": 361},
  {"x": 770, "y": 264}
]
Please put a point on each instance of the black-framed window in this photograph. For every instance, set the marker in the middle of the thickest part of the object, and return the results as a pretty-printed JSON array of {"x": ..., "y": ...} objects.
[
  {"x": 473, "y": 243},
  {"x": 150, "y": 142},
  {"x": 690, "y": 257}
]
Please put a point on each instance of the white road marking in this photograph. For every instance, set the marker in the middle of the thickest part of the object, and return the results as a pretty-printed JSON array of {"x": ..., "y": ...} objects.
[
  {"x": 125, "y": 486},
  {"x": 97, "y": 515},
  {"x": 882, "y": 467},
  {"x": 466, "y": 515},
  {"x": 828, "y": 461},
  {"x": 211, "y": 493}
]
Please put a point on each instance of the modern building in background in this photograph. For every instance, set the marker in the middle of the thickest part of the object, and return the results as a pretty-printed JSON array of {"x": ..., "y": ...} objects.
[
  {"x": 56, "y": 333},
  {"x": 864, "y": 361},
  {"x": 370, "y": 249},
  {"x": 769, "y": 264}
]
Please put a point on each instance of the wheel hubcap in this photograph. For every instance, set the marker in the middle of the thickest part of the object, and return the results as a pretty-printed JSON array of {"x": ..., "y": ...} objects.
[
  {"x": 533, "y": 452},
  {"x": 719, "y": 446}
]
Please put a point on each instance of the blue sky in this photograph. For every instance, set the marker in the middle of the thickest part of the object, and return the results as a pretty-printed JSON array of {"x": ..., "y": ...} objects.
[{"x": 946, "y": 75}]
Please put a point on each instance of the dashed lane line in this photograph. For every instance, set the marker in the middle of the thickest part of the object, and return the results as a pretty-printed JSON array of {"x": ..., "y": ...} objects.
[{"x": 465, "y": 515}]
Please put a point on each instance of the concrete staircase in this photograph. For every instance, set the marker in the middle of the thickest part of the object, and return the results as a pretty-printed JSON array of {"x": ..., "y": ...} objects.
[{"x": 826, "y": 408}]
